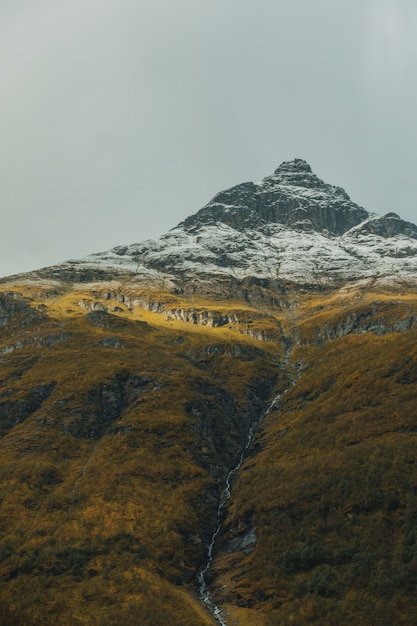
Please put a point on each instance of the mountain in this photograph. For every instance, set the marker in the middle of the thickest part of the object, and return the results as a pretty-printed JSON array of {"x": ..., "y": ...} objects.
[
  {"x": 217, "y": 425},
  {"x": 290, "y": 227}
]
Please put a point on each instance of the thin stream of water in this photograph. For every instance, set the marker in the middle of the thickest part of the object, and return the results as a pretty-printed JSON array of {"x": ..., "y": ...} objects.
[
  {"x": 84, "y": 469},
  {"x": 203, "y": 590}
]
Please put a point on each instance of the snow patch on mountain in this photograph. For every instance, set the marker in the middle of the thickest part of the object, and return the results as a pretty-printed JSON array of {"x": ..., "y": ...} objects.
[{"x": 281, "y": 253}]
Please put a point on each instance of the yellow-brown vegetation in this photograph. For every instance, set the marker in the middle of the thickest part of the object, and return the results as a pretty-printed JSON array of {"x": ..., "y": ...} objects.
[
  {"x": 118, "y": 427},
  {"x": 331, "y": 491},
  {"x": 109, "y": 473}
]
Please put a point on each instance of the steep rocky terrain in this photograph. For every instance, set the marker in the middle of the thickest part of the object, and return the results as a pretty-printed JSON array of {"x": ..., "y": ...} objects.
[{"x": 131, "y": 382}]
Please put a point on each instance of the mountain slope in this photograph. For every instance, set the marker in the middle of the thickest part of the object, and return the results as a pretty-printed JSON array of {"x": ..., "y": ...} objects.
[
  {"x": 116, "y": 437},
  {"x": 321, "y": 525},
  {"x": 131, "y": 379}
]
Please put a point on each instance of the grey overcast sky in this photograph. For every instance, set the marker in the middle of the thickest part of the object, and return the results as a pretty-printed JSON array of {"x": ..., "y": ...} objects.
[{"x": 119, "y": 118}]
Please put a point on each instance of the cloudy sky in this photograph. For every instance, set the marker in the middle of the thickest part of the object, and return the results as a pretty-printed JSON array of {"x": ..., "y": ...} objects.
[{"x": 118, "y": 118}]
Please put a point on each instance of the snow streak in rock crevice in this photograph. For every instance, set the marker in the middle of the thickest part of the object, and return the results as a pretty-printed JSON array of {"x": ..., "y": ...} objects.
[{"x": 203, "y": 589}]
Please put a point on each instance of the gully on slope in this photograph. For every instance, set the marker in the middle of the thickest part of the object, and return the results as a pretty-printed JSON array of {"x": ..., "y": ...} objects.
[{"x": 203, "y": 589}]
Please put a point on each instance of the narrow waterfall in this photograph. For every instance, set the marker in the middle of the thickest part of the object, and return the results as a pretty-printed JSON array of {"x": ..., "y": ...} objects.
[
  {"x": 203, "y": 589},
  {"x": 83, "y": 471}
]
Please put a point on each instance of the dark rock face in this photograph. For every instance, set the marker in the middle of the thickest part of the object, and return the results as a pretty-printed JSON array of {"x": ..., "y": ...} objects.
[
  {"x": 99, "y": 318},
  {"x": 14, "y": 411},
  {"x": 93, "y": 415},
  {"x": 10, "y": 305},
  {"x": 112, "y": 342},
  {"x": 293, "y": 196},
  {"x": 87, "y": 416},
  {"x": 13, "y": 305},
  {"x": 237, "y": 207},
  {"x": 334, "y": 217},
  {"x": 389, "y": 225},
  {"x": 222, "y": 425},
  {"x": 298, "y": 173}
]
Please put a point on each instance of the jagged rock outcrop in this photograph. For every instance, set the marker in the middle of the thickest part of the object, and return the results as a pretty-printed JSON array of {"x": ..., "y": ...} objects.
[
  {"x": 13, "y": 306},
  {"x": 389, "y": 225},
  {"x": 365, "y": 322},
  {"x": 293, "y": 196}
]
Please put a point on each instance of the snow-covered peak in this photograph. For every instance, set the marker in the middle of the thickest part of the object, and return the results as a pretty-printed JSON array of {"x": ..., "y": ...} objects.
[{"x": 289, "y": 227}]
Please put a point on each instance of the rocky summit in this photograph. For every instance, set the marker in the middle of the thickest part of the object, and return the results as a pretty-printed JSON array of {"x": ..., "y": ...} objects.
[
  {"x": 293, "y": 196},
  {"x": 216, "y": 426}
]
